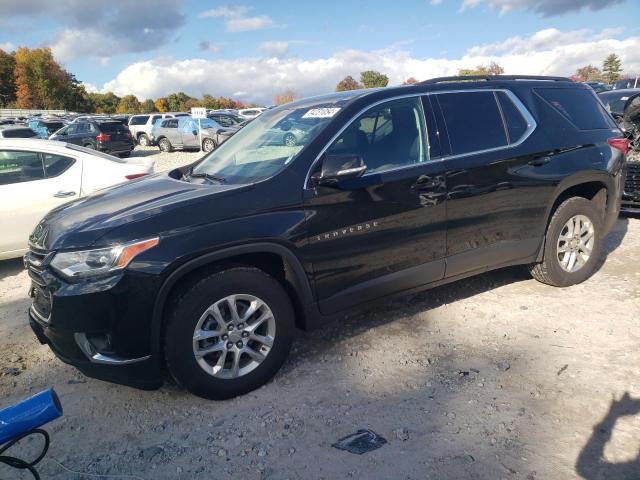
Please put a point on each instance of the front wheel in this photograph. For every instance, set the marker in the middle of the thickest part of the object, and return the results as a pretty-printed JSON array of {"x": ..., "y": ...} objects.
[
  {"x": 208, "y": 145},
  {"x": 572, "y": 244},
  {"x": 164, "y": 145},
  {"x": 229, "y": 333},
  {"x": 143, "y": 140}
]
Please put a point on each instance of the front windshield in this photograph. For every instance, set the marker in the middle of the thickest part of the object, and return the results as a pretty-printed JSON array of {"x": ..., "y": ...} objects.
[
  {"x": 208, "y": 123},
  {"x": 266, "y": 145}
]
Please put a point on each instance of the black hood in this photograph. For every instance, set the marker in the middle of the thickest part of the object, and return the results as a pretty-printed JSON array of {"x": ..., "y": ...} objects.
[{"x": 81, "y": 223}]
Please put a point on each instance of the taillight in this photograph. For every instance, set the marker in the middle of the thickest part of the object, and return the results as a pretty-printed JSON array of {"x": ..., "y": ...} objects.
[
  {"x": 135, "y": 175},
  {"x": 129, "y": 136},
  {"x": 103, "y": 137},
  {"x": 621, "y": 144}
]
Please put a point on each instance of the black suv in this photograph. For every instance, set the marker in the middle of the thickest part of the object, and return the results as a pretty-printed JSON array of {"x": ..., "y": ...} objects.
[
  {"x": 208, "y": 269},
  {"x": 109, "y": 136}
]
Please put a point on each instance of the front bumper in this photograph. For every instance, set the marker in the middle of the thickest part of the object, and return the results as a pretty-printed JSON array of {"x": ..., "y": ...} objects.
[{"x": 101, "y": 327}]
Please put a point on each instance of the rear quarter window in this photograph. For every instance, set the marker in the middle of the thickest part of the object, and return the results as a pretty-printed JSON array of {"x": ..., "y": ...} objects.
[
  {"x": 111, "y": 127},
  {"x": 578, "y": 105},
  {"x": 139, "y": 120},
  {"x": 19, "y": 133}
]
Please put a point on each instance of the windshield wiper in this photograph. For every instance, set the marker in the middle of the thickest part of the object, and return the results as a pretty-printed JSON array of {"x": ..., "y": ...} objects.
[{"x": 209, "y": 176}]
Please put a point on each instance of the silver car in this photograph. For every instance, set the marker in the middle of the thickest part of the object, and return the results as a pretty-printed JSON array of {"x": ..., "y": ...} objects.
[{"x": 186, "y": 132}]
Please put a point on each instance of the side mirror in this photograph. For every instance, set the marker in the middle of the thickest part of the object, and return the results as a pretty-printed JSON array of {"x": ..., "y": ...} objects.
[
  {"x": 195, "y": 132},
  {"x": 336, "y": 168}
]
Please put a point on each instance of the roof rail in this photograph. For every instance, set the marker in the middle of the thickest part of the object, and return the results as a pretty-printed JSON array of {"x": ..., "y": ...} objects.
[{"x": 463, "y": 78}]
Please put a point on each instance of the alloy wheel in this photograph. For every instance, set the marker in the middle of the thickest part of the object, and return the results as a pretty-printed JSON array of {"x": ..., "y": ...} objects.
[
  {"x": 234, "y": 336},
  {"x": 575, "y": 243}
]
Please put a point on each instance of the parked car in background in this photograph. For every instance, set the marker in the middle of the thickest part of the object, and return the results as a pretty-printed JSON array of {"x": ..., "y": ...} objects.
[
  {"x": 251, "y": 112},
  {"x": 182, "y": 133},
  {"x": 140, "y": 125},
  {"x": 15, "y": 131},
  {"x": 627, "y": 83},
  {"x": 44, "y": 128},
  {"x": 103, "y": 135},
  {"x": 205, "y": 271},
  {"x": 226, "y": 119},
  {"x": 599, "y": 86},
  {"x": 38, "y": 175},
  {"x": 624, "y": 105}
]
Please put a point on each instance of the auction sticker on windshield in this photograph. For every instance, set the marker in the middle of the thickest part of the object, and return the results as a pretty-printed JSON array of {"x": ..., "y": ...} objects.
[{"x": 321, "y": 113}]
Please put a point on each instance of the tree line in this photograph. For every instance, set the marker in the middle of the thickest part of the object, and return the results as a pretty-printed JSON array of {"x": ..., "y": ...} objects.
[
  {"x": 32, "y": 79},
  {"x": 610, "y": 72}
]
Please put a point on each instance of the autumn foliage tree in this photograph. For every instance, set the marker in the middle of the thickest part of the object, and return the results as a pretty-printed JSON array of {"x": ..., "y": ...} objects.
[
  {"x": 161, "y": 105},
  {"x": 287, "y": 96},
  {"x": 588, "y": 73},
  {"x": 492, "y": 69},
  {"x": 410, "y": 81},
  {"x": 348, "y": 83}
]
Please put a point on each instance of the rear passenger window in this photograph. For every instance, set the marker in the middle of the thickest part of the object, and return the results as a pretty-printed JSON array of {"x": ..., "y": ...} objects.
[
  {"x": 54, "y": 165},
  {"x": 139, "y": 120},
  {"x": 473, "y": 121},
  {"x": 515, "y": 122},
  {"x": 17, "y": 167},
  {"x": 578, "y": 105}
]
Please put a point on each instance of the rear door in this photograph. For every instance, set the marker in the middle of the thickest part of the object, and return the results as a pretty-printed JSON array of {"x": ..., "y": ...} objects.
[
  {"x": 385, "y": 231},
  {"x": 496, "y": 199},
  {"x": 31, "y": 184},
  {"x": 186, "y": 127}
]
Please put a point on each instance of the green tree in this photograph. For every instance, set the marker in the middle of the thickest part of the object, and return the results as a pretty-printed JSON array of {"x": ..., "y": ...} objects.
[
  {"x": 373, "y": 79},
  {"x": 588, "y": 73},
  {"x": 148, "y": 106},
  {"x": 176, "y": 101},
  {"x": 128, "y": 104},
  {"x": 492, "y": 69},
  {"x": 104, "y": 102},
  {"x": 611, "y": 68},
  {"x": 348, "y": 83},
  {"x": 7, "y": 78}
]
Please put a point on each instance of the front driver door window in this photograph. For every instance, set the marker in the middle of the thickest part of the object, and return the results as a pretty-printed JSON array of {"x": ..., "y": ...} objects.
[{"x": 383, "y": 232}]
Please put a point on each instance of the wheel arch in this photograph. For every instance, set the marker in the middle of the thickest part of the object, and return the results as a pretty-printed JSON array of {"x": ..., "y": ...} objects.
[
  {"x": 597, "y": 187},
  {"x": 275, "y": 259}
]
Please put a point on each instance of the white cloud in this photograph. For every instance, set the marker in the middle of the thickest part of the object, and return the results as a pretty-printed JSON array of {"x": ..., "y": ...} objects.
[
  {"x": 7, "y": 46},
  {"x": 249, "y": 23},
  {"x": 237, "y": 19},
  {"x": 89, "y": 87},
  {"x": 88, "y": 28},
  {"x": 274, "y": 48},
  {"x": 547, "y": 52},
  {"x": 546, "y": 8},
  {"x": 225, "y": 11}
]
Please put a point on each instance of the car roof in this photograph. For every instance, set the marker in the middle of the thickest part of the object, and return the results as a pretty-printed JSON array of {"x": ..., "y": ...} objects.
[
  {"x": 620, "y": 91},
  {"x": 14, "y": 127},
  {"x": 35, "y": 143}
]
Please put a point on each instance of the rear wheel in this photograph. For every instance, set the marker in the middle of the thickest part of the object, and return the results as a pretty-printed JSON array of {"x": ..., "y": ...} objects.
[
  {"x": 164, "y": 144},
  {"x": 143, "y": 140},
  {"x": 208, "y": 145},
  {"x": 229, "y": 333},
  {"x": 572, "y": 244}
]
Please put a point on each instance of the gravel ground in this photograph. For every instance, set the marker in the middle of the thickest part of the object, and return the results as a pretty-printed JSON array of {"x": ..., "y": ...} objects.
[
  {"x": 493, "y": 377},
  {"x": 167, "y": 161}
]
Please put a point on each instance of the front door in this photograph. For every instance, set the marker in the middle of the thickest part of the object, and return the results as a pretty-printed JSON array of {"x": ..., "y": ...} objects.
[
  {"x": 385, "y": 231},
  {"x": 31, "y": 184}
]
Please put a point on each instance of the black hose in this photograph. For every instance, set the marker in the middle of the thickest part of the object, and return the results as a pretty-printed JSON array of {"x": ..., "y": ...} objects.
[{"x": 20, "y": 464}]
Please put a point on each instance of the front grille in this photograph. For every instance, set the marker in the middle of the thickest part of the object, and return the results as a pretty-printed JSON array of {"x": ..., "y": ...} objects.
[
  {"x": 36, "y": 262},
  {"x": 632, "y": 180}
]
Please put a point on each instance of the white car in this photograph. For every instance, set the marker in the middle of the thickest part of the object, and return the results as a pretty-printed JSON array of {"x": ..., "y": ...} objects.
[{"x": 38, "y": 175}]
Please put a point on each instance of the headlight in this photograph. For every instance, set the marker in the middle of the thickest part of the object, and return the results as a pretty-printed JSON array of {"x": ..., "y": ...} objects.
[{"x": 90, "y": 263}]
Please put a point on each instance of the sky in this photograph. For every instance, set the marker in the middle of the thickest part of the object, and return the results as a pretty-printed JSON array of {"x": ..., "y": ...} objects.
[{"x": 252, "y": 50}]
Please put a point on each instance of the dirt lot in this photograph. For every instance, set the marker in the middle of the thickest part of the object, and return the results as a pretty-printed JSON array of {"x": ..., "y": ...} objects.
[{"x": 492, "y": 377}]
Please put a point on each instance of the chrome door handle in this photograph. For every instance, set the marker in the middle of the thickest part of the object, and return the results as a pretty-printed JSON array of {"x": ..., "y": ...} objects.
[
  {"x": 540, "y": 161},
  {"x": 62, "y": 194}
]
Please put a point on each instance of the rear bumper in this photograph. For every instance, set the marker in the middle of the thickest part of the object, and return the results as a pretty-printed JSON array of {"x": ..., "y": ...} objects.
[
  {"x": 631, "y": 191},
  {"x": 115, "y": 147}
]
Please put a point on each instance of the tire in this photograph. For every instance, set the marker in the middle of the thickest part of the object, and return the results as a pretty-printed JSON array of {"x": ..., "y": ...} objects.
[
  {"x": 290, "y": 140},
  {"x": 124, "y": 154},
  {"x": 90, "y": 146},
  {"x": 143, "y": 140},
  {"x": 551, "y": 270},
  {"x": 208, "y": 145},
  {"x": 165, "y": 145},
  {"x": 188, "y": 313}
]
